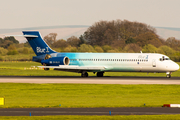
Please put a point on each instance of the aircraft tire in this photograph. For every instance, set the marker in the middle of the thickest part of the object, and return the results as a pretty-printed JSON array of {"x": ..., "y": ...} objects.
[
  {"x": 168, "y": 75},
  {"x": 100, "y": 74},
  {"x": 84, "y": 74}
]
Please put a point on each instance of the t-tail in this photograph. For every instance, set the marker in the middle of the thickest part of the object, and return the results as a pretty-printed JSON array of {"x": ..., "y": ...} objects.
[{"x": 37, "y": 43}]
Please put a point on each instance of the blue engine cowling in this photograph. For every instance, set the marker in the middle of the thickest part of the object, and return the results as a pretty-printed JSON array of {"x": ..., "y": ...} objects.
[{"x": 56, "y": 61}]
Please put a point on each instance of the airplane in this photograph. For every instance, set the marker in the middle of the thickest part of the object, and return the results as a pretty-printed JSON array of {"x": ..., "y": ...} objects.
[{"x": 98, "y": 63}]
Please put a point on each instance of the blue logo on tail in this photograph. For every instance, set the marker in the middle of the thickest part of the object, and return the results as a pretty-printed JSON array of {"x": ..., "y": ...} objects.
[{"x": 37, "y": 43}]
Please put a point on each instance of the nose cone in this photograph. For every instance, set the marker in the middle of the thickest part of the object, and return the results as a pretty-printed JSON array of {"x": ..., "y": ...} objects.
[
  {"x": 172, "y": 66},
  {"x": 176, "y": 67}
]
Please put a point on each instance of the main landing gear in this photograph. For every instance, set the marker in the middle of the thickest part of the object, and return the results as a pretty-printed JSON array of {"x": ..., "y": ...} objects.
[
  {"x": 100, "y": 74},
  {"x": 84, "y": 74},
  {"x": 168, "y": 74}
]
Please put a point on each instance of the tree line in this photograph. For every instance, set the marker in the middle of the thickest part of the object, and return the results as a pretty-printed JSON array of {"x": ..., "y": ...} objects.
[{"x": 104, "y": 36}]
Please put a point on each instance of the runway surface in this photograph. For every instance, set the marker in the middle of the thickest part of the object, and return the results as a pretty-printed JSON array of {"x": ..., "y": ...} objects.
[
  {"x": 89, "y": 80},
  {"x": 87, "y": 111}
]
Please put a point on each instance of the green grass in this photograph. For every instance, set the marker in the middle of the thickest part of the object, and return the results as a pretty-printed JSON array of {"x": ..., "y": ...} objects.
[
  {"x": 87, "y": 95},
  {"x": 18, "y": 57},
  {"x": 73, "y": 117},
  {"x": 23, "y": 69}
]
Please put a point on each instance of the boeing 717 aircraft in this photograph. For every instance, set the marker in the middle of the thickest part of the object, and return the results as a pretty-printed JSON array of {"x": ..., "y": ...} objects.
[{"x": 98, "y": 62}]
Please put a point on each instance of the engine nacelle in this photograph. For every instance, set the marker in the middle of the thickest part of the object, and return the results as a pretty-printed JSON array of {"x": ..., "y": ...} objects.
[{"x": 56, "y": 61}]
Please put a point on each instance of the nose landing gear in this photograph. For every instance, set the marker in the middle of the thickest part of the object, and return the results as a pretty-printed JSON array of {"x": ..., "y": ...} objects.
[{"x": 168, "y": 74}]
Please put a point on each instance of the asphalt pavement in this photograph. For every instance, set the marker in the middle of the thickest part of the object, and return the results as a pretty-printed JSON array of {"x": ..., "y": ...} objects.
[{"x": 88, "y": 111}]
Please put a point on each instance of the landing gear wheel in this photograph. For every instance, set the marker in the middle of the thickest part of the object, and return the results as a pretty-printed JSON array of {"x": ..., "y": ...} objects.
[
  {"x": 100, "y": 74},
  {"x": 168, "y": 75},
  {"x": 84, "y": 74}
]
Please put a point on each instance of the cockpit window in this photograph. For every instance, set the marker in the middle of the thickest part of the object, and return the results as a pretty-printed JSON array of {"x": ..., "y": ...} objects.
[{"x": 163, "y": 58}]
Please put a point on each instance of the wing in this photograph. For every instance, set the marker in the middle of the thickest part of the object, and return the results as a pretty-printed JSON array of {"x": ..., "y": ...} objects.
[{"x": 76, "y": 68}]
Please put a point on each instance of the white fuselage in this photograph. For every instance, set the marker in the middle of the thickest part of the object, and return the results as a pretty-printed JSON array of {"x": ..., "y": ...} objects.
[{"x": 122, "y": 62}]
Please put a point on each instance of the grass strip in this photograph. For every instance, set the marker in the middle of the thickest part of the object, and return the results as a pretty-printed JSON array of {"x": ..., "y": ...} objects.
[{"x": 22, "y": 95}]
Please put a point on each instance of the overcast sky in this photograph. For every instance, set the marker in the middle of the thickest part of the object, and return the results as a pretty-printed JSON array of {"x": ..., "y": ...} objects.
[{"x": 35, "y": 13}]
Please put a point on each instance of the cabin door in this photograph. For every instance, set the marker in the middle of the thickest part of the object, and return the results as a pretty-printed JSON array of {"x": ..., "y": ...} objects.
[{"x": 154, "y": 63}]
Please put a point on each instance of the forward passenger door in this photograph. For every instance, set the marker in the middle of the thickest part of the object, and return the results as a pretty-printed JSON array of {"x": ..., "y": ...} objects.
[{"x": 154, "y": 63}]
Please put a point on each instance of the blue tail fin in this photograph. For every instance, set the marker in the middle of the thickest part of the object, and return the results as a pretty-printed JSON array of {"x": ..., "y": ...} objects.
[{"x": 37, "y": 43}]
